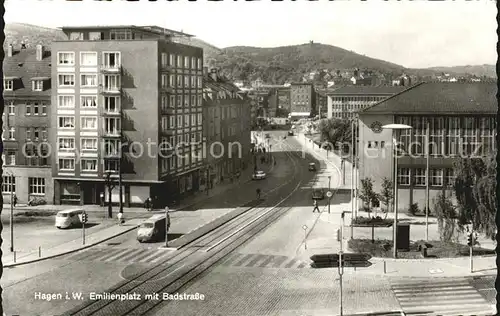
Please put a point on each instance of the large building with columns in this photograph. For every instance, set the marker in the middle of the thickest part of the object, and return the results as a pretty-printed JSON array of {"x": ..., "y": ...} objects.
[{"x": 461, "y": 119}]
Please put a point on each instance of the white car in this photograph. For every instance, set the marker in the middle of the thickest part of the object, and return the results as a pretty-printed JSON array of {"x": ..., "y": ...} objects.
[{"x": 259, "y": 175}]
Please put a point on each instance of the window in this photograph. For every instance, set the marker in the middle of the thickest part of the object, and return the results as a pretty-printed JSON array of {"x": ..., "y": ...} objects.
[
  {"x": 111, "y": 82},
  {"x": 112, "y": 125},
  {"x": 164, "y": 102},
  {"x": 453, "y": 143},
  {"x": 171, "y": 163},
  {"x": 487, "y": 134},
  {"x": 11, "y": 108},
  {"x": 171, "y": 81},
  {"x": 179, "y": 140},
  {"x": 88, "y": 122},
  {"x": 88, "y": 143},
  {"x": 404, "y": 176},
  {"x": 186, "y": 120},
  {"x": 186, "y": 81},
  {"x": 88, "y": 80},
  {"x": 164, "y": 123},
  {"x": 404, "y": 136},
  {"x": 200, "y": 117},
  {"x": 179, "y": 121},
  {"x": 66, "y": 80},
  {"x": 179, "y": 162},
  {"x": 193, "y": 119},
  {"x": 111, "y": 60},
  {"x": 66, "y": 101},
  {"x": 95, "y": 36},
  {"x": 89, "y": 164},
  {"x": 193, "y": 100},
  {"x": 171, "y": 61},
  {"x": 186, "y": 62},
  {"x": 121, "y": 34},
  {"x": 193, "y": 137},
  {"x": 179, "y": 100},
  {"x": 436, "y": 138},
  {"x": 112, "y": 104},
  {"x": 66, "y": 58},
  {"x": 164, "y": 81},
  {"x": 179, "y": 81},
  {"x": 449, "y": 177},
  {"x": 419, "y": 176},
  {"x": 171, "y": 121},
  {"x": 193, "y": 62},
  {"x": 186, "y": 139},
  {"x": 111, "y": 165},
  {"x": 469, "y": 142},
  {"x": 8, "y": 84},
  {"x": 164, "y": 59},
  {"x": 88, "y": 101},
  {"x": 200, "y": 100},
  {"x": 111, "y": 147},
  {"x": 36, "y": 108},
  {"x": 9, "y": 184},
  {"x": 172, "y": 141},
  {"x": 179, "y": 61},
  {"x": 436, "y": 177},
  {"x": 199, "y": 83},
  {"x": 66, "y": 143},
  {"x": 88, "y": 58},
  {"x": 44, "y": 108},
  {"x": 76, "y": 36},
  {"x": 193, "y": 82},
  {"x": 200, "y": 64},
  {"x": 28, "y": 134},
  {"x": 36, "y": 133},
  {"x": 66, "y": 164},
  {"x": 37, "y": 85},
  {"x": 44, "y": 134},
  {"x": 12, "y": 133},
  {"x": 171, "y": 102},
  {"x": 199, "y": 137},
  {"x": 186, "y": 101},
  {"x": 36, "y": 186}
]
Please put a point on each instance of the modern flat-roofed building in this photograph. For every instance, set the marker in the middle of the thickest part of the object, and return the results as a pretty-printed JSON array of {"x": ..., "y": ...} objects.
[
  {"x": 462, "y": 122},
  {"x": 26, "y": 123},
  {"x": 125, "y": 87},
  {"x": 346, "y": 102},
  {"x": 302, "y": 100}
]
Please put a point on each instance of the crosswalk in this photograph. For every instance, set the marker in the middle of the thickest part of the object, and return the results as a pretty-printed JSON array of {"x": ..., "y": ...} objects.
[
  {"x": 124, "y": 255},
  {"x": 441, "y": 296},
  {"x": 244, "y": 260}
]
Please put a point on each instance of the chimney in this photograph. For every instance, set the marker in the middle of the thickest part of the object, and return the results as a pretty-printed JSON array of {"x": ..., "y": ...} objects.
[
  {"x": 205, "y": 71},
  {"x": 39, "y": 52},
  {"x": 9, "y": 50}
]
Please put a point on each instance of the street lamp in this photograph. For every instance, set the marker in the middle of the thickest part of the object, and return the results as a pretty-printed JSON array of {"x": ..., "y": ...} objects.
[
  {"x": 11, "y": 211},
  {"x": 393, "y": 127}
]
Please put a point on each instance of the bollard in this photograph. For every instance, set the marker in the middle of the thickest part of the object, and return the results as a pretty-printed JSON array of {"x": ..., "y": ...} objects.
[
  {"x": 385, "y": 268},
  {"x": 40, "y": 251}
]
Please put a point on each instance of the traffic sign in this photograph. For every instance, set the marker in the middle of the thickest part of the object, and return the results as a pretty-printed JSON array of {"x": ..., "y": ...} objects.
[
  {"x": 304, "y": 227},
  {"x": 329, "y": 194}
]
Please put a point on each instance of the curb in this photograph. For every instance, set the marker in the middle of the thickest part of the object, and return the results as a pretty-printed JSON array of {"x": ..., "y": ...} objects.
[{"x": 70, "y": 251}]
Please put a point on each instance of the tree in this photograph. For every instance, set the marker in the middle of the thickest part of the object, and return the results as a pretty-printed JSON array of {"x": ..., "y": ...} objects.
[
  {"x": 335, "y": 131},
  {"x": 386, "y": 194},
  {"x": 475, "y": 190},
  {"x": 446, "y": 214},
  {"x": 367, "y": 195}
]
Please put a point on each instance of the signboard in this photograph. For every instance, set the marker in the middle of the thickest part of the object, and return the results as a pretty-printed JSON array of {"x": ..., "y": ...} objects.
[
  {"x": 329, "y": 194},
  {"x": 304, "y": 227}
]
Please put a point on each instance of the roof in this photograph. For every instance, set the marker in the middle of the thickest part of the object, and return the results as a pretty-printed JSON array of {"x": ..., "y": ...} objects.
[
  {"x": 148, "y": 28},
  {"x": 367, "y": 90},
  {"x": 210, "y": 86},
  {"x": 440, "y": 98},
  {"x": 24, "y": 66}
]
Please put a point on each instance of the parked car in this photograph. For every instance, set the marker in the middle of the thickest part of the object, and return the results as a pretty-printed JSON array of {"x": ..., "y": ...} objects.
[
  {"x": 290, "y": 133},
  {"x": 312, "y": 166},
  {"x": 259, "y": 175},
  {"x": 318, "y": 194}
]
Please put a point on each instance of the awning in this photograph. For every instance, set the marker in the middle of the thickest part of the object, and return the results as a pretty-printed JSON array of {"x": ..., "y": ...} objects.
[{"x": 10, "y": 77}]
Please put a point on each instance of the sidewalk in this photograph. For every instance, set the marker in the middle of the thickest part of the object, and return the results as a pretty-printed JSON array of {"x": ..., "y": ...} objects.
[{"x": 189, "y": 223}]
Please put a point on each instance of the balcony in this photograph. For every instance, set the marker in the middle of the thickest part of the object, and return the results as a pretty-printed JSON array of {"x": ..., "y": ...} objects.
[
  {"x": 111, "y": 133},
  {"x": 111, "y": 155},
  {"x": 111, "y": 112},
  {"x": 111, "y": 69},
  {"x": 114, "y": 90}
]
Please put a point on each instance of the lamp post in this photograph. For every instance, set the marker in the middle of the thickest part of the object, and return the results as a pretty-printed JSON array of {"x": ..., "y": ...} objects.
[
  {"x": 393, "y": 127},
  {"x": 109, "y": 183},
  {"x": 11, "y": 223}
]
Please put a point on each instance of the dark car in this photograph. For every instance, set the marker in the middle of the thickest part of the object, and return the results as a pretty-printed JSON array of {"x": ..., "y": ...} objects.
[
  {"x": 312, "y": 166},
  {"x": 290, "y": 133},
  {"x": 318, "y": 195}
]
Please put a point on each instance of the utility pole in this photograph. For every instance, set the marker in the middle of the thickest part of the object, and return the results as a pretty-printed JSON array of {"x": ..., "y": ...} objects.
[
  {"x": 427, "y": 181},
  {"x": 120, "y": 165},
  {"x": 341, "y": 266},
  {"x": 352, "y": 166},
  {"x": 12, "y": 179},
  {"x": 167, "y": 225}
]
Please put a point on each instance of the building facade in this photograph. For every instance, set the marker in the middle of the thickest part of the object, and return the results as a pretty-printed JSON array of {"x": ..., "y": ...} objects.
[
  {"x": 461, "y": 118},
  {"x": 227, "y": 128},
  {"x": 302, "y": 100},
  {"x": 26, "y": 124},
  {"x": 346, "y": 102},
  {"x": 279, "y": 102},
  {"x": 127, "y": 100}
]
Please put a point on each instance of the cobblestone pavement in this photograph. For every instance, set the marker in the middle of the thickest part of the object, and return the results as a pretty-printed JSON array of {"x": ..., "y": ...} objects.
[{"x": 258, "y": 291}]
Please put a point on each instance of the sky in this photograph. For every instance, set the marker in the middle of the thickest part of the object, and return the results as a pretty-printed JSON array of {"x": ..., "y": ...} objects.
[{"x": 414, "y": 34}]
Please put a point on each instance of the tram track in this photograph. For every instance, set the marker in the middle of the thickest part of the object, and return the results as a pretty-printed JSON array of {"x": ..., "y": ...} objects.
[{"x": 188, "y": 262}]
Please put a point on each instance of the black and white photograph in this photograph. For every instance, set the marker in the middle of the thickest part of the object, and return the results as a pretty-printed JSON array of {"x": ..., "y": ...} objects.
[{"x": 249, "y": 158}]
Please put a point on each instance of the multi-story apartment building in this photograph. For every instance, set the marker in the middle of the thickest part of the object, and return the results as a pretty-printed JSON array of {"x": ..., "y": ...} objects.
[
  {"x": 462, "y": 121},
  {"x": 302, "y": 100},
  {"x": 279, "y": 102},
  {"x": 26, "y": 121},
  {"x": 227, "y": 127},
  {"x": 129, "y": 88},
  {"x": 346, "y": 102}
]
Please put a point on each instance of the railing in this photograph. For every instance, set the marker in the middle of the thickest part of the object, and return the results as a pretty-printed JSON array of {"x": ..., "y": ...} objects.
[
  {"x": 111, "y": 133},
  {"x": 111, "y": 68},
  {"x": 110, "y": 89}
]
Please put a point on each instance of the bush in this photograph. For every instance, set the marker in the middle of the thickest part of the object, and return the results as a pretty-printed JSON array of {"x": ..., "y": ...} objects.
[
  {"x": 414, "y": 210},
  {"x": 367, "y": 221},
  {"x": 427, "y": 212}
]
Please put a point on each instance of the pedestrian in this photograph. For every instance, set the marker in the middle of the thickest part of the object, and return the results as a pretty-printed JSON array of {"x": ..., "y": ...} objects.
[
  {"x": 101, "y": 198},
  {"x": 147, "y": 204},
  {"x": 258, "y": 194},
  {"x": 120, "y": 218},
  {"x": 167, "y": 211},
  {"x": 14, "y": 200},
  {"x": 316, "y": 206}
]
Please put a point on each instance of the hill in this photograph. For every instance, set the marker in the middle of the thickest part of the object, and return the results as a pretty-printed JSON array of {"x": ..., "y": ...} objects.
[
  {"x": 478, "y": 70},
  {"x": 290, "y": 63}
]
